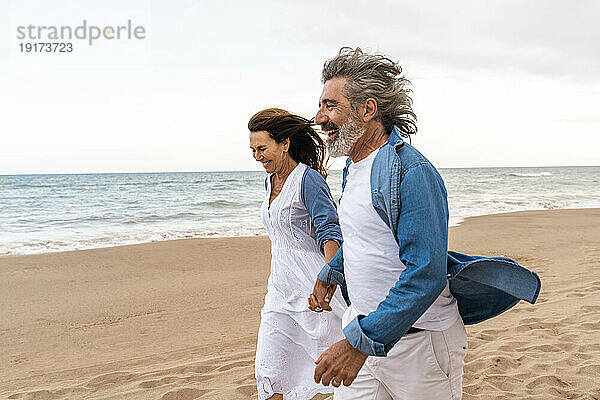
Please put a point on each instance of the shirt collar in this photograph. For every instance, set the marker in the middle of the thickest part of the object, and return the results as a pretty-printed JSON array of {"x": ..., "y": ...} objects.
[{"x": 395, "y": 139}]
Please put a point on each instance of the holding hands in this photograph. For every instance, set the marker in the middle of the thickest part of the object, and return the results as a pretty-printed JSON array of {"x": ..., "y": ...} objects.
[{"x": 321, "y": 296}]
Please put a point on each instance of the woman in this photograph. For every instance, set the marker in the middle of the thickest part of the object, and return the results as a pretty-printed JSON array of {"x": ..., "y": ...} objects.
[{"x": 300, "y": 217}]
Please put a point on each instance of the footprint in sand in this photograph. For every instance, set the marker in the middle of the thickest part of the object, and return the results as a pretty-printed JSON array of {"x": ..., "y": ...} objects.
[
  {"x": 590, "y": 309},
  {"x": 473, "y": 389},
  {"x": 114, "y": 378},
  {"x": 196, "y": 379},
  {"x": 38, "y": 395},
  {"x": 568, "y": 321},
  {"x": 588, "y": 348},
  {"x": 509, "y": 346},
  {"x": 197, "y": 369},
  {"x": 547, "y": 381},
  {"x": 505, "y": 363},
  {"x": 591, "y": 326},
  {"x": 184, "y": 394},
  {"x": 537, "y": 325},
  {"x": 530, "y": 320},
  {"x": 590, "y": 370},
  {"x": 545, "y": 348},
  {"x": 493, "y": 332},
  {"x": 236, "y": 364},
  {"x": 503, "y": 383},
  {"x": 248, "y": 379},
  {"x": 247, "y": 390},
  {"x": 156, "y": 383},
  {"x": 69, "y": 393}
]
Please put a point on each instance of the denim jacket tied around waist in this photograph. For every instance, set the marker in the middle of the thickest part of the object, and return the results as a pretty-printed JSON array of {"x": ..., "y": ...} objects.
[{"x": 483, "y": 286}]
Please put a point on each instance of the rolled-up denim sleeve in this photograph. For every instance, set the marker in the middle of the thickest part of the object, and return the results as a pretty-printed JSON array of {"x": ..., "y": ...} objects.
[
  {"x": 333, "y": 271},
  {"x": 423, "y": 248},
  {"x": 317, "y": 199}
]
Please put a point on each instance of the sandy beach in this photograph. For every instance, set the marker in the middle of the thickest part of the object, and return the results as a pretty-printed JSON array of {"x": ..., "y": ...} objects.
[{"x": 178, "y": 319}]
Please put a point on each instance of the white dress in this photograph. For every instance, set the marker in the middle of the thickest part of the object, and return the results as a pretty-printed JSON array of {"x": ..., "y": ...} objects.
[{"x": 291, "y": 337}]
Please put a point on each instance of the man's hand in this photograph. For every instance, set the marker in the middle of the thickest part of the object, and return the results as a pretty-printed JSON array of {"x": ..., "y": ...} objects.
[
  {"x": 321, "y": 296},
  {"x": 339, "y": 363}
]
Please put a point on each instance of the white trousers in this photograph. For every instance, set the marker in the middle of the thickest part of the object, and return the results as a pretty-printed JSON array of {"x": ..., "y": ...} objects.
[{"x": 426, "y": 365}]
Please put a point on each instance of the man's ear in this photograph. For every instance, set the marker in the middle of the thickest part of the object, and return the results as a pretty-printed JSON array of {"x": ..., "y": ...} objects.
[{"x": 368, "y": 110}]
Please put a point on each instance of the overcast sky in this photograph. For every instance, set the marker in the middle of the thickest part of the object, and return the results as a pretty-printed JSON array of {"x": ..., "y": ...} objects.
[{"x": 496, "y": 83}]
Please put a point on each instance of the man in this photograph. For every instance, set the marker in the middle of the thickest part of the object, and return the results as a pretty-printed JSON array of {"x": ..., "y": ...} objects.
[{"x": 405, "y": 338}]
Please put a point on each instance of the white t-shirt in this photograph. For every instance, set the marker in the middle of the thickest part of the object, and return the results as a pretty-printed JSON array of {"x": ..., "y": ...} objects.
[{"x": 371, "y": 262}]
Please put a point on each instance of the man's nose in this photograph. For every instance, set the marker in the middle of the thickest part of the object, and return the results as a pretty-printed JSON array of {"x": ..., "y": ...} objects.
[{"x": 321, "y": 118}]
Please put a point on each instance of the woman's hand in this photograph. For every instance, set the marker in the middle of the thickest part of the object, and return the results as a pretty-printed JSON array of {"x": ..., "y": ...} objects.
[{"x": 321, "y": 296}]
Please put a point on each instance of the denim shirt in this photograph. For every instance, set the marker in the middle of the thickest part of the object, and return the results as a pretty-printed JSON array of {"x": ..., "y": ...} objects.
[{"x": 409, "y": 195}]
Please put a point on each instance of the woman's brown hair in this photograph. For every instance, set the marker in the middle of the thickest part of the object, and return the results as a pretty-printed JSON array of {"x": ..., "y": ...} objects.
[{"x": 305, "y": 144}]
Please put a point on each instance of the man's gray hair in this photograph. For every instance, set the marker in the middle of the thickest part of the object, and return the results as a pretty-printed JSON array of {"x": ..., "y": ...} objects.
[{"x": 375, "y": 76}]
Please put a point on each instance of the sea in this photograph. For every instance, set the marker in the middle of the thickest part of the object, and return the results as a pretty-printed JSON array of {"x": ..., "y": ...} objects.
[{"x": 50, "y": 213}]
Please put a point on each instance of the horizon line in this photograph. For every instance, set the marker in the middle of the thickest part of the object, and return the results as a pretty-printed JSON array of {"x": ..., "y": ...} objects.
[{"x": 244, "y": 170}]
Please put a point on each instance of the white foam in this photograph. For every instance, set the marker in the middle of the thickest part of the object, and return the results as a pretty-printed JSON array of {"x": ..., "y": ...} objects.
[
  {"x": 52, "y": 246},
  {"x": 530, "y": 175}
]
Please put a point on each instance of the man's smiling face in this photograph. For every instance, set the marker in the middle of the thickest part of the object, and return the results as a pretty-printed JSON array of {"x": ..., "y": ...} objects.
[{"x": 337, "y": 119}]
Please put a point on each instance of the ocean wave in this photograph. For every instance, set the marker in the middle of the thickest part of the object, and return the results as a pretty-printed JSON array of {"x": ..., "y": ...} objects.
[
  {"x": 157, "y": 217},
  {"x": 52, "y": 246},
  {"x": 458, "y": 214},
  {"x": 235, "y": 180},
  {"x": 530, "y": 175},
  {"x": 31, "y": 186},
  {"x": 128, "y": 184},
  {"x": 217, "y": 203},
  {"x": 169, "y": 181},
  {"x": 79, "y": 220}
]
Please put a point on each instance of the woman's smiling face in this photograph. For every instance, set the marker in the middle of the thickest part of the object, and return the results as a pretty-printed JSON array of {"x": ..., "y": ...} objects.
[{"x": 267, "y": 151}]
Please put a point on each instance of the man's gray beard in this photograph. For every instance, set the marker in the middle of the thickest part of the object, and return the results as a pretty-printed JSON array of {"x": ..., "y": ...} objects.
[{"x": 346, "y": 136}]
